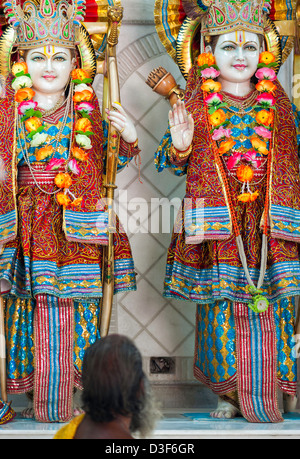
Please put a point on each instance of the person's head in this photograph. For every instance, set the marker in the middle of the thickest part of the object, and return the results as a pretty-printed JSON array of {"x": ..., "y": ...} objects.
[
  {"x": 50, "y": 67},
  {"x": 114, "y": 384},
  {"x": 237, "y": 54}
]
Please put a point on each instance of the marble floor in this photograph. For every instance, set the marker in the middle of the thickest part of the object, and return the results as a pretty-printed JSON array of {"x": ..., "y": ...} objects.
[{"x": 176, "y": 424}]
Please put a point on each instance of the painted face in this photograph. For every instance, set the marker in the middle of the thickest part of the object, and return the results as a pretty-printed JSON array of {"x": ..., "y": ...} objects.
[
  {"x": 237, "y": 56},
  {"x": 49, "y": 67}
]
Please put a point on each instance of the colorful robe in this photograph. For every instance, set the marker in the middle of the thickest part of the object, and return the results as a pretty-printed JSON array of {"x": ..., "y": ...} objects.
[
  {"x": 235, "y": 347},
  {"x": 51, "y": 259}
]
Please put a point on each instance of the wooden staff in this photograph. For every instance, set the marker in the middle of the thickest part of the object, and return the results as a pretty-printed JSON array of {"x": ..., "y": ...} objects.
[
  {"x": 115, "y": 15},
  {"x": 2, "y": 353}
]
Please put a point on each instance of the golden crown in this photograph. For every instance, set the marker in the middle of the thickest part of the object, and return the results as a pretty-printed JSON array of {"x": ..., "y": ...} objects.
[
  {"x": 46, "y": 23},
  {"x": 219, "y": 17}
]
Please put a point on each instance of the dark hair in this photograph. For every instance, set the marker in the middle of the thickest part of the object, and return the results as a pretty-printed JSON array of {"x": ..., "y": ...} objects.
[{"x": 112, "y": 374}]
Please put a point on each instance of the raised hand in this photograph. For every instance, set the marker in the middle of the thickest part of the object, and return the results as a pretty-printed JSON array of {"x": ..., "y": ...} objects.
[
  {"x": 181, "y": 126},
  {"x": 122, "y": 123}
]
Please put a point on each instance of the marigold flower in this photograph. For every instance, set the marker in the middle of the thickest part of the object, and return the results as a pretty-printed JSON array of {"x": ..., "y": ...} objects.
[
  {"x": 83, "y": 96},
  {"x": 24, "y": 94},
  {"x": 63, "y": 180},
  {"x": 244, "y": 173},
  {"x": 83, "y": 124},
  {"x": 211, "y": 86},
  {"x": 206, "y": 59},
  {"x": 19, "y": 67},
  {"x": 33, "y": 123},
  {"x": 265, "y": 117},
  {"x": 259, "y": 145},
  {"x": 63, "y": 199},
  {"x": 76, "y": 203},
  {"x": 226, "y": 146},
  {"x": 79, "y": 154},
  {"x": 217, "y": 118},
  {"x": 266, "y": 58},
  {"x": 44, "y": 152},
  {"x": 79, "y": 74},
  {"x": 244, "y": 197},
  {"x": 254, "y": 196},
  {"x": 265, "y": 86}
]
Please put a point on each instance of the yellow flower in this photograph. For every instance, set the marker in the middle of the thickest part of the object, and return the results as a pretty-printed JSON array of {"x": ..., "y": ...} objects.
[
  {"x": 259, "y": 145},
  {"x": 83, "y": 96},
  {"x": 265, "y": 117},
  {"x": 211, "y": 86},
  {"x": 19, "y": 67},
  {"x": 244, "y": 197},
  {"x": 79, "y": 154},
  {"x": 225, "y": 146},
  {"x": 63, "y": 199},
  {"x": 254, "y": 196},
  {"x": 206, "y": 59},
  {"x": 83, "y": 124},
  {"x": 267, "y": 58},
  {"x": 244, "y": 173},
  {"x": 79, "y": 74},
  {"x": 24, "y": 94},
  {"x": 76, "y": 203},
  {"x": 44, "y": 152},
  {"x": 266, "y": 86},
  {"x": 33, "y": 123},
  {"x": 217, "y": 118},
  {"x": 63, "y": 180}
]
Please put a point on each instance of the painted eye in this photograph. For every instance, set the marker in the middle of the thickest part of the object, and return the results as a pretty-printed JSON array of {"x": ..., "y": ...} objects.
[{"x": 228, "y": 48}]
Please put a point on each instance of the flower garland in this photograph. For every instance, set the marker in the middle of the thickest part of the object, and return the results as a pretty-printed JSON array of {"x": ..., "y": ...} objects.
[
  {"x": 39, "y": 137},
  {"x": 217, "y": 118}
]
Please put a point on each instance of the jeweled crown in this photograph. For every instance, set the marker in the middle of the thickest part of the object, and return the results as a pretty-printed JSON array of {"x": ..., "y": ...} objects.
[
  {"x": 46, "y": 22},
  {"x": 219, "y": 17}
]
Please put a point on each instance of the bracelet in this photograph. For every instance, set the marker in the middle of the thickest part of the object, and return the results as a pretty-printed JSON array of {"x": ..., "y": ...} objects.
[
  {"x": 181, "y": 154},
  {"x": 134, "y": 144}
]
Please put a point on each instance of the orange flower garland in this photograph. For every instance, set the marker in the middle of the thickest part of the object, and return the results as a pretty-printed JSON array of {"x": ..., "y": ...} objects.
[
  {"x": 33, "y": 124},
  {"x": 217, "y": 119}
]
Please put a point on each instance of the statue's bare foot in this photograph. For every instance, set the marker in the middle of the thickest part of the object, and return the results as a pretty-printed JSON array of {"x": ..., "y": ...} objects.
[
  {"x": 28, "y": 413},
  {"x": 224, "y": 410},
  {"x": 289, "y": 403}
]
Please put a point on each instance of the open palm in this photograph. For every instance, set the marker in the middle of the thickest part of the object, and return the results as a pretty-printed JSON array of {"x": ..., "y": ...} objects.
[{"x": 181, "y": 126}]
